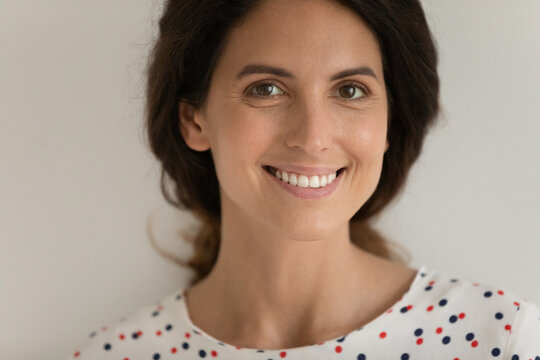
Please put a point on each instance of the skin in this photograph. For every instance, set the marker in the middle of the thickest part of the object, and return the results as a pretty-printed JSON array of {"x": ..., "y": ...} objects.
[{"x": 287, "y": 274}]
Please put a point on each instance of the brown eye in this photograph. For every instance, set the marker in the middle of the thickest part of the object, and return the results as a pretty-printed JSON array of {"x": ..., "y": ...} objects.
[
  {"x": 263, "y": 90},
  {"x": 349, "y": 91}
]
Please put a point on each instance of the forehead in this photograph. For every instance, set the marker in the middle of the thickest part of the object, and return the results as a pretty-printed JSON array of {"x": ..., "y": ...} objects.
[{"x": 303, "y": 36}]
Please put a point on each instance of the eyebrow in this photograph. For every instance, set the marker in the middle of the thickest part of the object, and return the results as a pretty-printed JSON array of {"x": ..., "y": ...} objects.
[{"x": 266, "y": 69}]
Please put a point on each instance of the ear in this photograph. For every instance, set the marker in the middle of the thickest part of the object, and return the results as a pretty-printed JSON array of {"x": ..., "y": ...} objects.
[{"x": 192, "y": 126}]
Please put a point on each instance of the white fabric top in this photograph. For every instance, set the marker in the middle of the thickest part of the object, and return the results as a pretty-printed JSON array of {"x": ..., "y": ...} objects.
[{"x": 437, "y": 318}]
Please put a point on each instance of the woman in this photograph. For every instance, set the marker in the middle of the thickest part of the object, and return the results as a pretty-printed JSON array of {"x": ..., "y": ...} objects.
[{"x": 285, "y": 126}]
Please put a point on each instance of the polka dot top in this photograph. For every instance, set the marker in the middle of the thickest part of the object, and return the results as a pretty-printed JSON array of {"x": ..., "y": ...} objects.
[{"x": 438, "y": 317}]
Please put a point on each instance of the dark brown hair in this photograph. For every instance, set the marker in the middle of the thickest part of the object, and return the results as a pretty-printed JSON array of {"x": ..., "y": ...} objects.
[{"x": 192, "y": 36}]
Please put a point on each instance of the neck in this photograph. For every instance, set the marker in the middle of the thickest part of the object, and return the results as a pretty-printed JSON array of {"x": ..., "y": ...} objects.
[{"x": 281, "y": 292}]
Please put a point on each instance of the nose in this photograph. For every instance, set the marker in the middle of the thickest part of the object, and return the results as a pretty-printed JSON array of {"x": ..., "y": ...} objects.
[{"x": 310, "y": 127}]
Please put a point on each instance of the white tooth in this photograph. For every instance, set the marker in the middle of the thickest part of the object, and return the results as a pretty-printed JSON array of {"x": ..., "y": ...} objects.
[
  {"x": 314, "y": 181},
  {"x": 293, "y": 180},
  {"x": 303, "y": 181}
]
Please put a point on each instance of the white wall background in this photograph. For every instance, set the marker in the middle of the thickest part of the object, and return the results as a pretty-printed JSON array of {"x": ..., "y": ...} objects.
[{"x": 77, "y": 183}]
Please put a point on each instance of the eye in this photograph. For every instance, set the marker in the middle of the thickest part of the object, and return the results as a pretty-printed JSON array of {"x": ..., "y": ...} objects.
[
  {"x": 265, "y": 89},
  {"x": 353, "y": 91}
]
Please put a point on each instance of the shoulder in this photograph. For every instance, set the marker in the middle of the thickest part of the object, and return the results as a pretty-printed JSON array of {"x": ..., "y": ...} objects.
[
  {"x": 524, "y": 339},
  {"x": 479, "y": 316},
  {"x": 145, "y": 333}
]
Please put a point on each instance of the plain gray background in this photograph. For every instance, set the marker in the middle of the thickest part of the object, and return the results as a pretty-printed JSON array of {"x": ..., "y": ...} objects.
[{"x": 77, "y": 182}]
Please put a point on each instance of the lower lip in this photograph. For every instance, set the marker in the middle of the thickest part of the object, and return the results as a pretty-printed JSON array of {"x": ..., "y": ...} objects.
[{"x": 308, "y": 192}]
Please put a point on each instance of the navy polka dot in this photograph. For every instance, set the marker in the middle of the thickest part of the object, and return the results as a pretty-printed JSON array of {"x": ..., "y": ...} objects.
[
  {"x": 488, "y": 294},
  {"x": 361, "y": 357},
  {"x": 185, "y": 345},
  {"x": 453, "y": 319},
  {"x": 443, "y": 302},
  {"x": 107, "y": 346},
  {"x": 515, "y": 357},
  {"x": 168, "y": 327},
  {"x": 156, "y": 356},
  {"x": 496, "y": 352},
  {"x": 134, "y": 335},
  {"x": 405, "y": 356},
  {"x": 155, "y": 313},
  {"x": 469, "y": 336},
  {"x": 341, "y": 339},
  {"x": 418, "y": 332},
  {"x": 446, "y": 340},
  {"x": 499, "y": 316},
  {"x": 202, "y": 353},
  {"x": 428, "y": 288}
]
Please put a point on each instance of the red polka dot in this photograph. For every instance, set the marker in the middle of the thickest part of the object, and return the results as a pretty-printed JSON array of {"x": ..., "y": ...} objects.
[
  {"x": 160, "y": 307},
  {"x": 338, "y": 349},
  {"x": 500, "y": 292},
  {"x": 508, "y": 327},
  {"x": 173, "y": 350},
  {"x": 430, "y": 307},
  {"x": 419, "y": 341},
  {"x": 389, "y": 311},
  {"x": 139, "y": 333},
  {"x": 121, "y": 336},
  {"x": 456, "y": 358},
  {"x": 77, "y": 354},
  {"x": 475, "y": 284},
  {"x": 382, "y": 335},
  {"x": 283, "y": 354},
  {"x": 104, "y": 328},
  {"x": 126, "y": 358},
  {"x": 474, "y": 343},
  {"x": 238, "y": 347},
  {"x": 462, "y": 316},
  {"x": 187, "y": 335},
  {"x": 158, "y": 333},
  {"x": 439, "y": 330},
  {"x": 214, "y": 353},
  {"x": 516, "y": 303},
  {"x": 431, "y": 282},
  {"x": 409, "y": 307}
]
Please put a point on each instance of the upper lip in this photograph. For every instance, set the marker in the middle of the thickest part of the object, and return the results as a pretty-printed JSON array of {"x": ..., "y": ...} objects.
[{"x": 305, "y": 170}]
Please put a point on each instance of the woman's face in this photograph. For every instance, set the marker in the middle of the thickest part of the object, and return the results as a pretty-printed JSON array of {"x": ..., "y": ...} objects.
[{"x": 325, "y": 107}]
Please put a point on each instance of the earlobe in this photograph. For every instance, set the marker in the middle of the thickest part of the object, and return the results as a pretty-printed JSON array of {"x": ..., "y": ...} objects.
[{"x": 190, "y": 127}]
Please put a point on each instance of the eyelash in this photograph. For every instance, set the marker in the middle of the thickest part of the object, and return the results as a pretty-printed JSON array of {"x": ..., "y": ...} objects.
[{"x": 356, "y": 84}]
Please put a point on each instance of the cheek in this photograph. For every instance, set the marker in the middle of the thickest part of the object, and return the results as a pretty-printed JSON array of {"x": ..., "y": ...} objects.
[
  {"x": 369, "y": 140},
  {"x": 238, "y": 141}
]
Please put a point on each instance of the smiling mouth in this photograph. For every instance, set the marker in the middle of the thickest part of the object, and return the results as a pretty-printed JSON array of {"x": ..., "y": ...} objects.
[{"x": 272, "y": 170}]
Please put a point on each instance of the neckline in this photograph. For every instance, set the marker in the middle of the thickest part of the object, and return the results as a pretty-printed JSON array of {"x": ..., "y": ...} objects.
[{"x": 420, "y": 274}]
